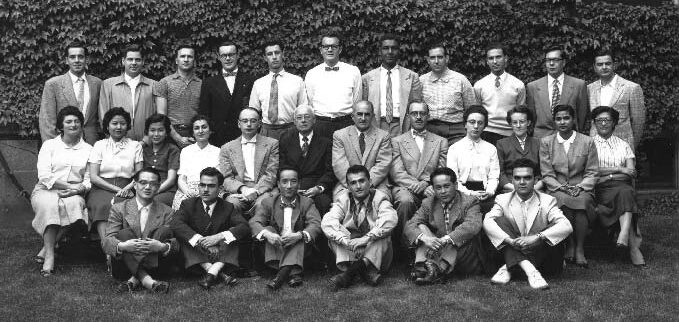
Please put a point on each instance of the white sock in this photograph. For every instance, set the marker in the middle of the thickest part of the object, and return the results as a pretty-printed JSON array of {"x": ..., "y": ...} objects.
[
  {"x": 527, "y": 266},
  {"x": 147, "y": 281},
  {"x": 134, "y": 280},
  {"x": 215, "y": 268},
  {"x": 205, "y": 266}
]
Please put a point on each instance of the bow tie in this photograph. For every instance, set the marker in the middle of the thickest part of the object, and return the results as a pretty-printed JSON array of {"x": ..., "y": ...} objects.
[
  {"x": 286, "y": 205},
  {"x": 334, "y": 69},
  {"x": 227, "y": 74},
  {"x": 420, "y": 134},
  {"x": 248, "y": 142}
]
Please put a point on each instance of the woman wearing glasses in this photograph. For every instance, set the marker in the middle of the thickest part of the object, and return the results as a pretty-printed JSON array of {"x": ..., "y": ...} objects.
[
  {"x": 474, "y": 160},
  {"x": 615, "y": 194},
  {"x": 517, "y": 146},
  {"x": 569, "y": 166}
]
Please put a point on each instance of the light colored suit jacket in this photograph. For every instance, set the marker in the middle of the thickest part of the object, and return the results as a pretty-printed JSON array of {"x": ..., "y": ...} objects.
[
  {"x": 232, "y": 166},
  {"x": 628, "y": 100},
  {"x": 546, "y": 217},
  {"x": 346, "y": 152},
  {"x": 57, "y": 94},
  {"x": 338, "y": 223},
  {"x": 410, "y": 89},
  {"x": 573, "y": 93},
  {"x": 409, "y": 165},
  {"x": 116, "y": 93},
  {"x": 579, "y": 167},
  {"x": 126, "y": 215}
]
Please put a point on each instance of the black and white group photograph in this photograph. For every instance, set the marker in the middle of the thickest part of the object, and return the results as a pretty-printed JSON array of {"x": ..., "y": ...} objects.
[{"x": 349, "y": 160}]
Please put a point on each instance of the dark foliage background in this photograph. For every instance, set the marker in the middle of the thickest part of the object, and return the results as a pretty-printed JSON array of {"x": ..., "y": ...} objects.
[{"x": 33, "y": 35}]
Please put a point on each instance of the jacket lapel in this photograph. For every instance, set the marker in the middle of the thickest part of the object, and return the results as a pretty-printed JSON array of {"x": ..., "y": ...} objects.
[
  {"x": 260, "y": 150},
  {"x": 353, "y": 139},
  {"x": 425, "y": 156},
  {"x": 405, "y": 80},
  {"x": 619, "y": 89},
  {"x": 515, "y": 210},
  {"x": 237, "y": 155},
  {"x": 369, "y": 142},
  {"x": 153, "y": 219},
  {"x": 218, "y": 215},
  {"x": 278, "y": 213},
  {"x": 67, "y": 90},
  {"x": 222, "y": 87},
  {"x": 595, "y": 95},
  {"x": 374, "y": 90},
  {"x": 532, "y": 214},
  {"x": 410, "y": 147},
  {"x": 132, "y": 216},
  {"x": 566, "y": 89}
]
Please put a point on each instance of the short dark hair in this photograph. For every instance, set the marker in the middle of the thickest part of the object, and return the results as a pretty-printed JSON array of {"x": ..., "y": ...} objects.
[
  {"x": 287, "y": 168},
  {"x": 185, "y": 46},
  {"x": 273, "y": 42},
  {"x": 561, "y": 50},
  {"x": 146, "y": 169},
  {"x": 213, "y": 172},
  {"x": 132, "y": 48},
  {"x": 157, "y": 118},
  {"x": 525, "y": 163},
  {"x": 110, "y": 114},
  {"x": 437, "y": 45},
  {"x": 615, "y": 115},
  {"x": 496, "y": 45},
  {"x": 200, "y": 117},
  {"x": 66, "y": 111},
  {"x": 75, "y": 44},
  {"x": 259, "y": 113},
  {"x": 522, "y": 109},
  {"x": 563, "y": 107},
  {"x": 604, "y": 52},
  {"x": 475, "y": 109},
  {"x": 356, "y": 169},
  {"x": 443, "y": 171},
  {"x": 228, "y": 43},
  {"x": 390, "y": 36}
]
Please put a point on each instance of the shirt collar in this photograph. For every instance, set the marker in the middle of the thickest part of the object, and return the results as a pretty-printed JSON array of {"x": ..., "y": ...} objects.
[
  {"x": 529, "y": 201},
  {"x": 234, "y": 71},
  {"x": 243, "y": 140},
  {"x": 177, "y": 75},
  {"x": 519, "y": 139},
  {"x": 359, "y": 131},
  {"x": 76, "y": 146},
  {"x": 384, "y": 70},
  {"x": 562, "y": 140},
  {"x": 140, "y": 206},
  {"x": 469, "y": 143},
  {"x": 212, "y": 205},
  {"x": 502, "y": 77},
  {"x": 412, "y": 132},
  {"x": 281, "y": 73},
  {"x": 612, "y": 83},
  {"x": 292, "y": 204},
  {"x": 75, "y": 78},
  {"x": 311, "y": 134},
  {"x": 324, "y": 65},
  {"x": 132, "y": 79},
  {"x": 447, "y": 74},
  {"x": 550, "y": 79}
]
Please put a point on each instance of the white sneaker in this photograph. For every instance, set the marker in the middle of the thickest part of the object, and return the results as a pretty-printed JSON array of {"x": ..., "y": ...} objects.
[
  {"x": 536, "y": 281},
  {"x": 502, "y": 276}
]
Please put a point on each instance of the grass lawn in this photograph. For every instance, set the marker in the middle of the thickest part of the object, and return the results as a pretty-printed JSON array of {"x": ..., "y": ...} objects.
[{"x": 82, "y": 291}]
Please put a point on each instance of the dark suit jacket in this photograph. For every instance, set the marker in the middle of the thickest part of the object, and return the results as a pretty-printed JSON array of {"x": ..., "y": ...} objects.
[
  {"x": 509, "y": 150},
  {"x": 316, "y": 168},
  {"x": 269, "y": 216},
  {"x": 573, "y": 93},
  {"x": 222, "y": 106},
  {"x": 465, "y": 219},
  {"x": 57, "y": 94},
  {"x": 192, "y": 219}
]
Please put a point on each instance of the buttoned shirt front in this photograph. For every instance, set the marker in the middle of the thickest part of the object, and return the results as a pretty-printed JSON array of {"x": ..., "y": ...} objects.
[
  {"x": 607, "y": 91},
  {"x": 86, "y": 90},
  {"x": 612, "y": 152},
  {"x": 550, "y": 86},
  {"x": 447, "y": 96},
  {"x": 333, "y": 93},
  {"x": 291, "y": 93},
  {"x": 395, "y": 90},
  {"x": 182, "y": 95},
  {"x": 230, "y": 80},
  {"x": 248, "y": 147}
]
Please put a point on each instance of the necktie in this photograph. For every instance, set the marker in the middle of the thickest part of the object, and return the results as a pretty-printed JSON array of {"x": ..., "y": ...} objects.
[
  {"x": 556, "y": 95},
  {"x": 273, "y": 100},
  {"x": 446, "y": 215},
  {"x": 333, "y": 69},
  {"x": 81, "y": 92},
  {"x": 497, "y": 82},
  {"x": 361, "y": 142},
  {"x": 207, "y": 210},
  {"x": 228, "y": 74},
  {"x": 360, "y": 220},
  {"x": 390, "y": 100},
  {"x": 143, "y": 217},
  {"x": 305, "y": 145}
]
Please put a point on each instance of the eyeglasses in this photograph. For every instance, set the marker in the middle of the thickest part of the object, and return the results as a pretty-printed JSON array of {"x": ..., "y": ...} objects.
[
  {"x": 251, "y": 121},
  {"x": 553, "y": 60},
  {"x": 418, "y": 113},
  {"x": 603, "y": 121},
  {"x": 148, "y": 183},
  {"x": 363, "y": 114},
  {"x": 476, "y": 123},
  {"x": 303, "y": 117},
  {"x": 207, "y": 185},
  {"x": 225, "y": 56},
  {"x": 329, "y": 47},
  {"x": 519, "y": 122}
]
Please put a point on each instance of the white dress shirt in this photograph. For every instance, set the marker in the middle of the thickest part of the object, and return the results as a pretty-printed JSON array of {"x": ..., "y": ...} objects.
[
  {"x": 193, "y": 159},
  {"x": 419, "y": 140},
  {"x": 133, "y": 82},
  {"x": 291, "y": 93},
  {"x": 565, "y": 142},
  {"x": 248, "y": 148},
  {"x": 231, "y": 80},
  {"x": 86, "y": 92},
  {"x": 333, "y": 93},
  {"x": 143, "y": 214},
  {"x": 550, "y": 86},
  {"x": 607, "y": 91},
  {"x": 395, "y": 91},
  {"x": 301, "y": 139},
  {"x": 470, "y": 160}
]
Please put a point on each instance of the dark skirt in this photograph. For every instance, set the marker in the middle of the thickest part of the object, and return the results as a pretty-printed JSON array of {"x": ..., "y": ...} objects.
[
  {"x": 99, "y": 200},
  {"x": 584, "y": 201},
  {"x": 619, "y": 197}
]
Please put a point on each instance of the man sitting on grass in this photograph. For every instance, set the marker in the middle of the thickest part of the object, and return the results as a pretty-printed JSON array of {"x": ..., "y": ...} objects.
[
  {"x": 289, "y": 223},
  {"x": 138, "y": 236},
  {"x": 527, "y": 227},
  {"x": 208, "y": 229},
  {"x": 358, "y": 228}
]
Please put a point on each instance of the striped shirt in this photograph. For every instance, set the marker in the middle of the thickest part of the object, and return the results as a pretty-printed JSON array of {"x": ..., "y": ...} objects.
[
  {"x": 447, "y": 96},
  {"x": 182, "y": 96},
  {"x": 612, "y": 152}
]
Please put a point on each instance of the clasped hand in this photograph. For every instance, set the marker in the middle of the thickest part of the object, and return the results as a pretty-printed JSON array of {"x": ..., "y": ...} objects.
[
  {"x": 286, "y": 240},
  {"x": 142, "y": 246},
  {"x": 523, "y": 243},
  {"x": 573, "y": 191},
  {"x": 358, "y": 245}
]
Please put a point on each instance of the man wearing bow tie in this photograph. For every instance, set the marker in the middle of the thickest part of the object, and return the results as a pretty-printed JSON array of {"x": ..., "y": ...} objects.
[
  {"x": 448, "y": 94},
  {"x": 209, "y": 230},
  {"x": 333, "y": 87},
  {"x": 75, "y": 88},
  {"x": 416, "y": 154},
  {"x": 287, "y": 223},
  {"x": 223, "y": 96},
  {"x": 391, "y": 88}
]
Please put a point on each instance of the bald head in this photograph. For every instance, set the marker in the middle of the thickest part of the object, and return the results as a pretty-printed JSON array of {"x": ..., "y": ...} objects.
[
  {"x": 304, "y": 119},
  {"x": 363, "y": 115}
]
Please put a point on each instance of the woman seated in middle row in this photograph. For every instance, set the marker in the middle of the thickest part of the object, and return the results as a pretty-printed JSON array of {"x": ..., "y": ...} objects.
[
  {"x": 518, "y": 146},
  {"x": 162, "y": 156},
  {"x": 474, "y": 160}
]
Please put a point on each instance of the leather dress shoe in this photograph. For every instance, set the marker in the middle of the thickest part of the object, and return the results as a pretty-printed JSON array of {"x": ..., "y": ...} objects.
[
  {"x": 228, "y": 279},
  {"x": 371, "y": 277},
  {"x": 125, "y": 287},
  {"x": 295, "y": 280},
  {"x": 160, "y": 287},
  {"x": 415, "y": 274},
  {"x": 208, "y": 281},
  {"x": 339, "y": 281},
  {"x": 46, "y": 272},
  {"x": 277, "y": 281},
  {"x": 432, "y": 275}
]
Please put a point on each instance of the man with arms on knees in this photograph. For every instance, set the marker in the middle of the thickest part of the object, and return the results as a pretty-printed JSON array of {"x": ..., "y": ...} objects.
[
  {"x": 138, "y": 237},
  {"x": 249, "y": 164},
  {"x": 391, "y": 88},
  {"x": 179, "y": 94},
  {"x": 223, "y": 96},
  {"x": 416, "y": 154},
  {"x": 624, "y": 96},
  {"x": 208, "y": 229},
  {"x": 445, "y": 229},
  {"x": 527, "y": 227},
  {"x": 358, "y": 228},
  {"x": 75, "y": 88},
  {"x": 288, "y": 223},
  {"x": 557, "y": 88},
  {"x": 278, "y": 93},
  {"x": 498, "y": 93},
  {"x": 362, "y": 144},
  {"x": 448, "y": 94},
  {"x": 333, "y": 87},
  {"x": 132, "y": 91}
]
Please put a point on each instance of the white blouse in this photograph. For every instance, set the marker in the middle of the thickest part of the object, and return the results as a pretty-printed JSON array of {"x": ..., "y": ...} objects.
[
  {"x": 58, "y": 161},
  {"x": 116, "y": 159},
  {"x": 193, "y": 160},
  {"x": 472, "y": 160}
]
